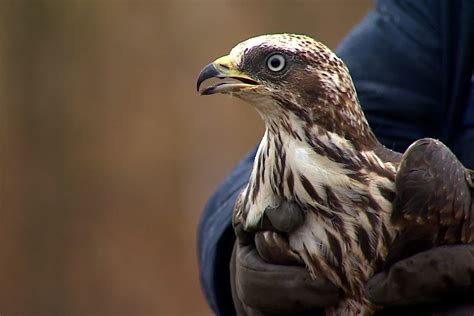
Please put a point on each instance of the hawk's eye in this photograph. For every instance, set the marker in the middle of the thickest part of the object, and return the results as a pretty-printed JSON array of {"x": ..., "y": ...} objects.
[{"x": 276, "y": 62}]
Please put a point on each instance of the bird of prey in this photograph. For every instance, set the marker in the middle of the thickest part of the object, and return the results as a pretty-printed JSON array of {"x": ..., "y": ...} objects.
[{"x": 364, "y": 205}]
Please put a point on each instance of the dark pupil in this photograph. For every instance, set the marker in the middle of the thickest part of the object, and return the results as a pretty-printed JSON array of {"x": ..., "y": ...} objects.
[{"x": 275, "y": 62}]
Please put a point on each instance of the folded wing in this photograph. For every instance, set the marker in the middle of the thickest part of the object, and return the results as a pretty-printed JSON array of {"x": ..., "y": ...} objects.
[{"x": 433, "y": 204}]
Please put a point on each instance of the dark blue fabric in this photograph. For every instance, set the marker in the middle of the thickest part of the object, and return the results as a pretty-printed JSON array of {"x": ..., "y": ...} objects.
[
  {"x": 463, "y": 145},
  {"x": 412, "y": 63},
  {"x": 216, "y": 238},
  {"x": 468, "y": 121},
  {"x": 394, "y": 59}
]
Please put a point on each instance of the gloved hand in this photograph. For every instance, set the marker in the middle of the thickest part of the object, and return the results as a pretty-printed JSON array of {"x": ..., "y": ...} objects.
[
  {"x": 439, "y": 281},
  {"x": 260, "y": 288},
  {"x": 283, "y": 287}
]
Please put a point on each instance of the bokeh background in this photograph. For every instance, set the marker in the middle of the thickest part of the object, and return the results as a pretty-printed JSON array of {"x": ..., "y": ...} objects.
[{"x": 107, "y": 153}]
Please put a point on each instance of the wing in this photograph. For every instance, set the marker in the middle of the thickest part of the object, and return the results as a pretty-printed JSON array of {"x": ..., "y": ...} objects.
[{"x": 433, "y": 203}]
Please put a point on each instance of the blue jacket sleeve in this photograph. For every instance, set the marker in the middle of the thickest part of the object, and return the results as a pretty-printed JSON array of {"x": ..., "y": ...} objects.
[
  {"x": 393, "y": 56},
  {"x": 216, "y": 238},
  {"x": 412, "y": 62}
]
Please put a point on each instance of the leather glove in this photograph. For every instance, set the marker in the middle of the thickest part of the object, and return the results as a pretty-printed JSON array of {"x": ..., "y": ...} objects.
[
  {"x": 283, "y": 287},
  {"x": 439, "y": 281}
]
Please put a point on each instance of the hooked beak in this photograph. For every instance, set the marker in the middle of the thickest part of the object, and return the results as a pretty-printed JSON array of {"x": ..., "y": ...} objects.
[{"x": 224, "y": 68}]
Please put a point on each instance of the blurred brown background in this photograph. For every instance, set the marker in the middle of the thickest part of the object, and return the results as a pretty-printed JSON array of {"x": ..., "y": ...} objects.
[{"x": 107, "y": 153}]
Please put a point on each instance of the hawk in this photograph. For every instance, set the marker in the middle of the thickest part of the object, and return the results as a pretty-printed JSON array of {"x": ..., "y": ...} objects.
[{"x": 364, "y": 205}]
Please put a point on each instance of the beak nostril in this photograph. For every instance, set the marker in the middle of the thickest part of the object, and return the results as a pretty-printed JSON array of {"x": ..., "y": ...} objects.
[{"x": 224, "y": 66}]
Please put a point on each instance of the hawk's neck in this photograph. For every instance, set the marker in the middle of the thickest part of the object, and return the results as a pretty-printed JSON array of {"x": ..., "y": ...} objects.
[{"x": 309, "y": 163}]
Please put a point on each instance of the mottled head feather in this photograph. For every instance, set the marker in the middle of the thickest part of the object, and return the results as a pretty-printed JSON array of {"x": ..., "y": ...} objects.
[
  {"x": 289, "y": 42},
  {"x": 316, "y": 86}
]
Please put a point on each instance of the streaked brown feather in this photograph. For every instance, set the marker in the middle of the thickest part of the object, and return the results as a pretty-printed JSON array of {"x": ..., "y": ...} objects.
[
  {"x": 273, "y": 247},
  {"x": 433, "y": 200}
]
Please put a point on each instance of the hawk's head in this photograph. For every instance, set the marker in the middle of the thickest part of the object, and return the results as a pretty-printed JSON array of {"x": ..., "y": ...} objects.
[{"x": 288, "y": 75}]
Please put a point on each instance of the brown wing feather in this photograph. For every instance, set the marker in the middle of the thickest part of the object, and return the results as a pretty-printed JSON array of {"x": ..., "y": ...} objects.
[{"x": 433, "y": 203}]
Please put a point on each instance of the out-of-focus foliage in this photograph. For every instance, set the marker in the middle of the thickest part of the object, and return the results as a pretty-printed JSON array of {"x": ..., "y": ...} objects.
[{"x": 107, "y": 154}]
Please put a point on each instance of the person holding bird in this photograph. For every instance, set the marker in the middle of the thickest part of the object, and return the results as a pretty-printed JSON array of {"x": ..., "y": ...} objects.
[{"x": 325, "y": 194}]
